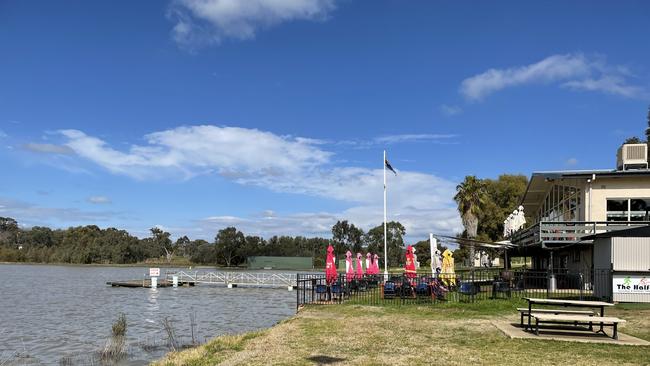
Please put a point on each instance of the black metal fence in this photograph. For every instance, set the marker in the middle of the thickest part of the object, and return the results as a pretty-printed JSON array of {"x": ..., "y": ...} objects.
[{"x": 461, "y": 286}]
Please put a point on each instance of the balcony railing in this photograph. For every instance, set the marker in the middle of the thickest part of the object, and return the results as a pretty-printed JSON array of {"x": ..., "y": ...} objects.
[{"x": 568, "y": 231}]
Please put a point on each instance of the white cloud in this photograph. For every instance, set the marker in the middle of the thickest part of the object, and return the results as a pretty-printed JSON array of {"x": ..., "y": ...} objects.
[
  {"x": 211, "y": 21},
  {"x": 281, "y": 164},
  {"x": 48, "y": 148},
  {"x": 574, "y": 71},
  {"x": 610, "y": 84},
  {"x": 418, "y": 223},
  {"x": 3, "y": 134},
  {"x": 98, "y": 200},
  {"x": 190, "y": 151},
  {"x": 450, "y": 110},
  {"x": 396, "y": 139},
  {"x": 29, "y": 214},
  {"x": 439, "y": 139},
  {"x": 571, "y": 162}
]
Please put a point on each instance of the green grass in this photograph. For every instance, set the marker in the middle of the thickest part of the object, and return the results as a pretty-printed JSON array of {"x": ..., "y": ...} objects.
[{"x": 444, "y": 333}]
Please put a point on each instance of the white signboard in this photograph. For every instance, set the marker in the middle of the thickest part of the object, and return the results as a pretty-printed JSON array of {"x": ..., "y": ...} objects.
[
  {"x": 154, "y": 272},
  {"x": 631, "y": 284}
]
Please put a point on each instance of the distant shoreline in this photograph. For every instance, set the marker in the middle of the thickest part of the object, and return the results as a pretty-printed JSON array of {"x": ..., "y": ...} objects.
[{"x": 126, "y": 265}]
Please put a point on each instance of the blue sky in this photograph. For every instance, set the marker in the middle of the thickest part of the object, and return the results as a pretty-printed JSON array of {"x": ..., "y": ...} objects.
[{"x": 272, "y": 115}]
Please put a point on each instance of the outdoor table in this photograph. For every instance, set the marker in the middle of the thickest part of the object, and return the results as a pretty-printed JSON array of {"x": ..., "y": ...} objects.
[{"x": 566, "y": 303}]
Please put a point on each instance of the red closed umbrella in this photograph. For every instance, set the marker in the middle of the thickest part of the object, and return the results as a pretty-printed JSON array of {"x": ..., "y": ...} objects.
[
  {"x": 330, "y": 266},
  {"x": 409, "y": 266}
]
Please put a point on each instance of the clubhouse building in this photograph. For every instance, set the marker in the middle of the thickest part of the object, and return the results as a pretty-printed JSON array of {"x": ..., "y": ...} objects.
[{"x": 568, "y": 211}]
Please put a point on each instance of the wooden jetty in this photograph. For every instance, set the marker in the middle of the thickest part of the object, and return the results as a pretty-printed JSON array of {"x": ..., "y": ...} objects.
[
  {"x": 147, "y": 283},
  {"x": 229, "y": 279}
]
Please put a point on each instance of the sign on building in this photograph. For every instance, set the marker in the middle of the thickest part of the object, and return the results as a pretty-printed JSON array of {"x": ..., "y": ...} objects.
[
  {"x": 623, "y": 284},
  {"x": 154, "y": 272}
]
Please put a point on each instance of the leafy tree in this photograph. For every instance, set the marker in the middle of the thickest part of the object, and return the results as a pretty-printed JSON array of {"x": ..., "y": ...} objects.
[
  {"x": 203, "y": 252},
  {"x": 633, "y": 140},
  {"x": 228, "y": 244},
  {"x": 252, "y": 246},
  {"x": 346, "y": 237},
  {"x": 503, "y": 196},
  {"x": 8, "y": 230},
  {"x": 161, "y": 240},
  {"x": 8, "y": 224},
  {"x": 395, "y": 242},
  {"x": 423, "y": 251},
  {"x": 181, "y": 245},
  {"x": 470, "y": 196}
]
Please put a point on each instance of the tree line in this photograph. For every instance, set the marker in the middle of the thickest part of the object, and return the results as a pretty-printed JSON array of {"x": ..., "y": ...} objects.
[
  {"x": 483, "y": 204},
  {"x": 230, "y": 247}
]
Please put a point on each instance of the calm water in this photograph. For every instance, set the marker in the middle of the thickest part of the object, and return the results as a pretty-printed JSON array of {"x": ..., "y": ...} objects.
[{"x": 48, "y": 313}]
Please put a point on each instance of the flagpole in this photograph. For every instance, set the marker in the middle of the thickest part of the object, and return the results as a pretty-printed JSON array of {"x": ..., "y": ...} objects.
[{"x": 385, "y": 231}]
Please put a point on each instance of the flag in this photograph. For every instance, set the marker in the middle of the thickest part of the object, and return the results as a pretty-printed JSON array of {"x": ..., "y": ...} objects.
[{"x": 390, "y": 167}]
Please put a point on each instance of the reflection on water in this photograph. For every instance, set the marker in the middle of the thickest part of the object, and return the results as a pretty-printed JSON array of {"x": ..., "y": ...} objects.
[{"x": 53, "y": 312}]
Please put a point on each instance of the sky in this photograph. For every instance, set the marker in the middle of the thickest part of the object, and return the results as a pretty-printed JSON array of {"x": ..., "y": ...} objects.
[{"x": 272, "y": 115}]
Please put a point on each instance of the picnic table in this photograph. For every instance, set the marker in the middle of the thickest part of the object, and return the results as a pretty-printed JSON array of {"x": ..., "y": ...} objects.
[{"x": 600, "y": 318}]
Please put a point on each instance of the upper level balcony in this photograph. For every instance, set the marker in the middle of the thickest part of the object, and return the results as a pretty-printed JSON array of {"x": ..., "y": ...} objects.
[{"x": 555, "y": 233}]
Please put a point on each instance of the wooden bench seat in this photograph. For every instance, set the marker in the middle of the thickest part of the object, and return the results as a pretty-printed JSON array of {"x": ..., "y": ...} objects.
[
  {"x": 578, "y": 319},
  {"x": 524, "y": 312}
]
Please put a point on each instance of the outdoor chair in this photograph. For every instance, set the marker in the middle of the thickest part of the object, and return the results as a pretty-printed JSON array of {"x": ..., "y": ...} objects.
[
  {"x": 406, "y": 289},
  {"x": 389, "y": 290},
  {"x": 423, "y": 289},
  {"x": 468, "y": 288},
  {"x": 501, "y": 287},
  {"x": 354, "y": 286},
  {"x": 338, "y": 291},
  {"x": 321, "y": 290},
  {"x": 362, "y": 285},
  {"x": 438, "y": 291}
]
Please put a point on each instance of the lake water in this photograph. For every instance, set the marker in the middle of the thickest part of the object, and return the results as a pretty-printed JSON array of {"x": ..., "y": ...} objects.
[{"x": 55, "y": 315}]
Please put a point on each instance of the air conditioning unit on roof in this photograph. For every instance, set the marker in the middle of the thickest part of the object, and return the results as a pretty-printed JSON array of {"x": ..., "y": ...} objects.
[{"x": 632, "y": 156}]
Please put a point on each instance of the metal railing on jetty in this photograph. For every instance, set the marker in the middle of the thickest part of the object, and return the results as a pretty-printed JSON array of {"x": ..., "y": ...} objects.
[
  {"x": 234, "y": 279},
  {"x": 462, "y": 286}
]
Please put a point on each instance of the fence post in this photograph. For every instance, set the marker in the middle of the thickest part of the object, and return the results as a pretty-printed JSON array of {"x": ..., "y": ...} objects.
[
  {"x": 297, "y": 291},
  {"x": 473, "y": 282},
  {"x": 582, "y": 285}
]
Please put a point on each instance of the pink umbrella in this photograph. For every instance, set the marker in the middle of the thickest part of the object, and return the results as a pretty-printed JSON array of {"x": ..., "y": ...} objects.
[
  {"x": 349, "y": 269},
  {"x": 359, "y": 267},
  {"x": 375, "y": 264},
  {"x": 368, "y": 263},
  {"x": 330, "y": 266}
]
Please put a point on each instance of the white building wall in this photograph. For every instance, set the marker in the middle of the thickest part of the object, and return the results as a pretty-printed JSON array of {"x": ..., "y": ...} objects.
[{"x": 604, "y": 188}]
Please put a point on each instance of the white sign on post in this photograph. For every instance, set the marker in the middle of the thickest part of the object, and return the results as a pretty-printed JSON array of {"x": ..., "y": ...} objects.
[
  {"x": 631, "y": 284},
  {"x": 154, "y": 272}
]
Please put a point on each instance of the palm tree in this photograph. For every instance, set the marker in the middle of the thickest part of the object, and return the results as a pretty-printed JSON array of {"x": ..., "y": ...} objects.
[{"x": 470, "y": 196}]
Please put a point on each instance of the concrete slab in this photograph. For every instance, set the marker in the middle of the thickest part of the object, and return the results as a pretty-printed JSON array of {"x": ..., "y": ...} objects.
[{"x": 568, "y": 333}]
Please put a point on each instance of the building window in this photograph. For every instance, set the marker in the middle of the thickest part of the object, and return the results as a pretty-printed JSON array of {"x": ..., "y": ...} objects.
[
  {"x": 639, "y": 209},
  {"x": 617, "y": 210},
  {"x": 562, "y": 203},
  {"x": 629, "y": 209}
]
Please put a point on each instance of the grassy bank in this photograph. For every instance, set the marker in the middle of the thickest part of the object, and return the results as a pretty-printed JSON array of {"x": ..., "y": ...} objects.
[{"x": 446, "y": 334}]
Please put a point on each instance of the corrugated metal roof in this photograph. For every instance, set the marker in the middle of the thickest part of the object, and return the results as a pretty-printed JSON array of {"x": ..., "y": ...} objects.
[{"x": 541, "y": 181}]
